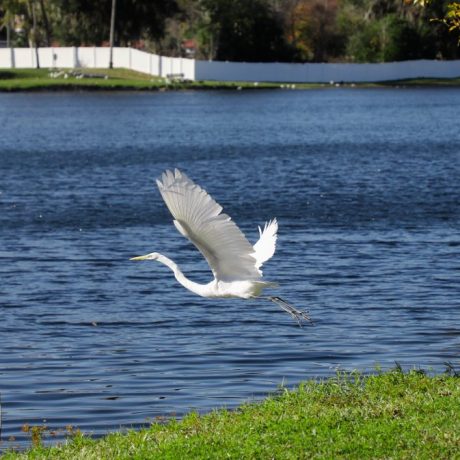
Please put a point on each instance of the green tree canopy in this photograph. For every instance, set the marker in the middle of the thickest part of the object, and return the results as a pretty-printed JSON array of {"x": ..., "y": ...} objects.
[
  {"x": 246, "y": 30},
  {"x": 88, "y": 22}
]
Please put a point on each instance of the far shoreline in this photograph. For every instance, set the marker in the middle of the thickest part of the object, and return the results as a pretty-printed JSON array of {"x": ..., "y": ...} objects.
[{"x": 52, "y": 80}]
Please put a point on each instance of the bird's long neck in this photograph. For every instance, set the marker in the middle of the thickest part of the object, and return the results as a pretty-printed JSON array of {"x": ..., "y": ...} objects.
[{"x": 188, "y": 284}]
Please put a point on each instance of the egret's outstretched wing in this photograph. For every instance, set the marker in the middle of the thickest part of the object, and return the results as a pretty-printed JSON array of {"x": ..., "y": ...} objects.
[
  {"x": 265, "y": 247},
  {"x": 198, "y": 217}
]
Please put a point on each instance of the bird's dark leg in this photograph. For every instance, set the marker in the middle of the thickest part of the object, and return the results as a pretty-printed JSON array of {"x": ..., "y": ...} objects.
[{"x": 298, "y": 315}]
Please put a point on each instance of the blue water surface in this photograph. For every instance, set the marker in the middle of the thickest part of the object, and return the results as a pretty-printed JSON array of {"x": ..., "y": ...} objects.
[{"x": 364, "y": 183}]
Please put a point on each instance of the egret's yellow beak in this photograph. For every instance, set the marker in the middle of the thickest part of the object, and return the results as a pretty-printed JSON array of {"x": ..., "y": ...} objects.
[{"x": 139, "y": 258}]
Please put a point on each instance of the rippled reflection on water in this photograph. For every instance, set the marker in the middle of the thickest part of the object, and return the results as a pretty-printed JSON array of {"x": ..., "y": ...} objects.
[{"x": 364, "y": 184}]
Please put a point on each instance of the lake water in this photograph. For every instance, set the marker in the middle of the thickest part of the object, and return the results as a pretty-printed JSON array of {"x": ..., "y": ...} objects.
[{"x": 364, "y": 183}]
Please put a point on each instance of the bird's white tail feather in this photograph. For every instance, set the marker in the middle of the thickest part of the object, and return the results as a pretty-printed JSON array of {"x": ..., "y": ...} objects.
[{"x": 265, "y": 247}]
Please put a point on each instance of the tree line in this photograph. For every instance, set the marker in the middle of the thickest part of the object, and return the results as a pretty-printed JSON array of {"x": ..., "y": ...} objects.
[{"x": 244, "y": 30}]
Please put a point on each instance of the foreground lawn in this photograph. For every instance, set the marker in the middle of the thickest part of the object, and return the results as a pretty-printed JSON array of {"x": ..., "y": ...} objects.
[{"x": 391, "y": 415}]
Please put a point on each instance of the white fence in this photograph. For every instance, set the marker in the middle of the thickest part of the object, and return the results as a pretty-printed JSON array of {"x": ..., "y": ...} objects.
[
  {"x": 226, "y": 71},
  {"x": 323, "y": 73},
  {"x": 97, "y": 57}
]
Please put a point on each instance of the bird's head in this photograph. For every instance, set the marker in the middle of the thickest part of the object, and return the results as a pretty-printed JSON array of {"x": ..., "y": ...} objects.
[{"x": 151, "y": 256}]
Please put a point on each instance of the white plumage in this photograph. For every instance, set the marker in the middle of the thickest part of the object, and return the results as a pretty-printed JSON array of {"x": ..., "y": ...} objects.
[
  {"x": 200, "y": 219},
  {"x": 234, "y": 262},
  {"x": 265, "y": 247}
]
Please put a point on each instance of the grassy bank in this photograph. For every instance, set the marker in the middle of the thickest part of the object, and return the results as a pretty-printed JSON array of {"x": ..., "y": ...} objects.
[
  {"x": 391, "y": 415},
  {"x": 122, "y": 79},
  {"x": 105, "y": 79}
]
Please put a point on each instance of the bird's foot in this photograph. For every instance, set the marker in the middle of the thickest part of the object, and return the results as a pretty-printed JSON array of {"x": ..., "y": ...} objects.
[{"x": 298, "y": 315}]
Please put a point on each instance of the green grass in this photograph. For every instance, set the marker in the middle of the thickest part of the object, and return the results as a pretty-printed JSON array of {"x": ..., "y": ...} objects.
[
  {"x": 390, "y": 415},
  {"x": 123, "y": 79},
  {"x": 424, "y": 82},
  {"x": 41, "y": 79},
  {"x": 117, "y": 79}
]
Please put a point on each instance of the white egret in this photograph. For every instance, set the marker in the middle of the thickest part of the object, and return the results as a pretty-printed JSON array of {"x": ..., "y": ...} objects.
[{"x": 234, "y": 262}]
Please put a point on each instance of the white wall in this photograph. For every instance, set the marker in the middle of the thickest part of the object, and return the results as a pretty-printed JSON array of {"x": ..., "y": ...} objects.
[
  {"x": 6, "y": 55},
  {"x": 25, "y": 58},
  {"x": 152, "y": 64},
  {"x": 94, "y": 57},
  {"x": 324, "y": 73}
]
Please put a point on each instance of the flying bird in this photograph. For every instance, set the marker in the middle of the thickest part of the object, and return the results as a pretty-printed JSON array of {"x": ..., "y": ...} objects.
[{"x": 235, "y": 262}]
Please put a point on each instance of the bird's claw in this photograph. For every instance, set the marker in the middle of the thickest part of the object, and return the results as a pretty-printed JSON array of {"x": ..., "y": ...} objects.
[{"x": 296, "y": 314}]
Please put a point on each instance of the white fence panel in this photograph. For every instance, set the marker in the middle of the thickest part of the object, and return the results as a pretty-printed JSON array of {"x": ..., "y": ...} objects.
[
  {"x": 217, "y": 70},
  {"x": 24, "y": 58},
  {"x": 6, "y": 58},
  {"x": 314, "y": 73},
  {"x": 188, "y": 68},
  {"x": 46, "y": 57},
  {"x": 167, "y": 66},
  {"x": 65, "y": 57},
  {"x": 248, "y": 71},
  {"x": 140, "y": 61},
  {"x": 155, "y": 65},
  {"x": 122, "y": 58},
  {"x": 102, "y": 58},
  {"x": 86, "y": 57},
  {"x": 177, "y": 66},
  {"x": 435, "y": 69}
]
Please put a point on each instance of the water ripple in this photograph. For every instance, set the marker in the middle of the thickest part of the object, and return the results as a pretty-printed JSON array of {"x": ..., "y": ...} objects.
[{"x": 364, "y": 184}]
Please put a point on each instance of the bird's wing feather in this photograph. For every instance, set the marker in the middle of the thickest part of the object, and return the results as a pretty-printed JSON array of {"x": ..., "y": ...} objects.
[
  {"x": 265, "y": 247},
  {"x": 198, "y": 217}
]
